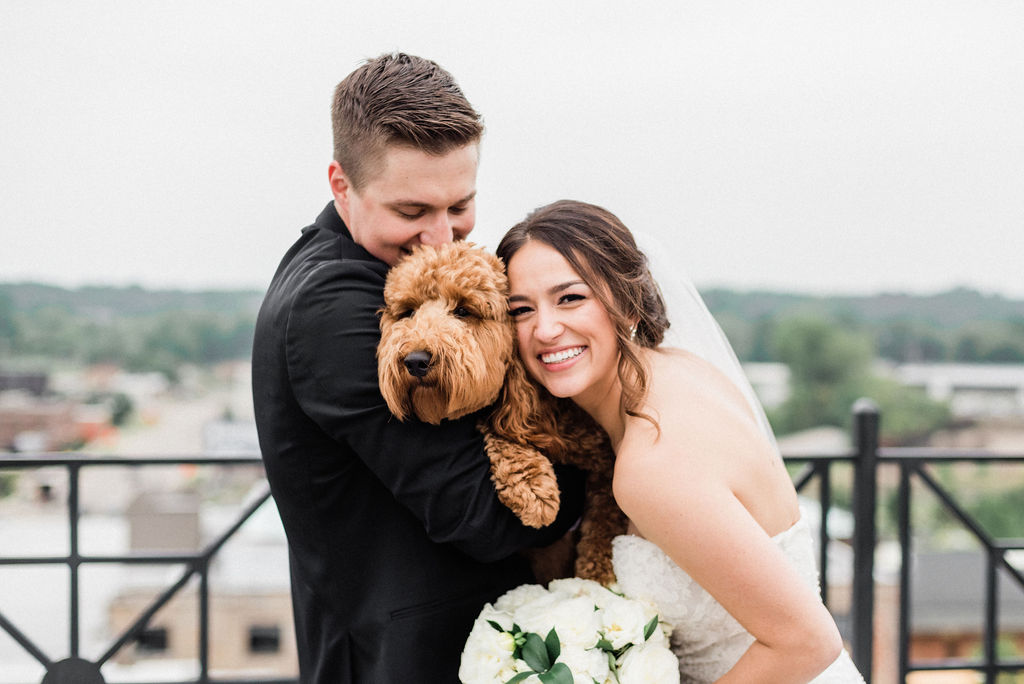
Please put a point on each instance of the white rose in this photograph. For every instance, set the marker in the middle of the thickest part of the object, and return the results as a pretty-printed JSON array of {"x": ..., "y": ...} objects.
[
  {"x": 648, "y": 664},
  {"x": 494, "y": 614},
  {"x": 574, "y": 619},
  {"x": 574, "y": 586},
  {"x": 587, "y": 665},
  {"x": 487, "y": 652},
  {"x": 660, "y": 636},
  {"x": 623, "y": 622},
  {"x": 511, "y": 600}
]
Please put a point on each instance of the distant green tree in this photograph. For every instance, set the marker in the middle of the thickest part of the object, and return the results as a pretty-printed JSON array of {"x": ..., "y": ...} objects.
[
  {"x": 762, "y": 346},
  {"x": 999, "y": 512},
  {"x": 904, "y": 341},
  {"x": 830, "y": 368},
  {"x": 1005, "y": 352},
  {"x": 737, "y": 330},
  {"x": 174, "y": 335},
  {"x": 51, "y": 331},
  {"x": 908, "y": 414},
  {"x": 112, "y": 342},
  {"x": 8, "y": 323},
  {"x": 827, "y": 367},
  {"x": 990, "y": 342},
  {"x": 223, "y": 337},
  {"x": 968, "y": 349},
  {"x": 932, "y": 347}
]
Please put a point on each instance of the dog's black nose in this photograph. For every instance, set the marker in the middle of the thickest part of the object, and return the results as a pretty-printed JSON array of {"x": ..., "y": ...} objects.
[{"x": 418, "y": 363}]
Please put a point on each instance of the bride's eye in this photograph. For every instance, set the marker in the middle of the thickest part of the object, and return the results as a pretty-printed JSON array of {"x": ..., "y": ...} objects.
[
  {"x": 518, "y": 311},
  {"x": 571, "y": 297}
]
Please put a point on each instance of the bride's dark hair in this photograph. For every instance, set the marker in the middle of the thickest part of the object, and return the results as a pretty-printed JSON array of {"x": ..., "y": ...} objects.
[{"x": 602, "y": 250}]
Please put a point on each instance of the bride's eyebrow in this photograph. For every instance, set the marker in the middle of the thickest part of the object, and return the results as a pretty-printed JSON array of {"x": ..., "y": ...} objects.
[{"x": 551, "y": 290}]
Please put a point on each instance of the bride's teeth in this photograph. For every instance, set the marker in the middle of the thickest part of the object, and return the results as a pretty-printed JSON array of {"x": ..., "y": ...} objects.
[{"x": 562, "y": 355}]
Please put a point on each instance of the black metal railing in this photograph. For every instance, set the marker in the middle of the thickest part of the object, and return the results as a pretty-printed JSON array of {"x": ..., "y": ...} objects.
[
  {"x": 868, "y": 458},
  {"x": 74, "y": 669},
  {"x": 914, "y": 464},
  {"x": 865, "y": 458}
]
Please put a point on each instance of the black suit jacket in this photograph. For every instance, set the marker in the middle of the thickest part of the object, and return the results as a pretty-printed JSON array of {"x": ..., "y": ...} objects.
[{"x": 396, "y": 537}]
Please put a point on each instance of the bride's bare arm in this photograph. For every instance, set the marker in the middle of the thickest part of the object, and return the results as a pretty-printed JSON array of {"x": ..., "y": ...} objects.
[{"x": 680, "y": 490}]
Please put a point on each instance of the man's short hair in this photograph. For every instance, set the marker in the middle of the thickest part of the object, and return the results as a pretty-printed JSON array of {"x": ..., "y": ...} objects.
[{"x": 398, "y": 99}]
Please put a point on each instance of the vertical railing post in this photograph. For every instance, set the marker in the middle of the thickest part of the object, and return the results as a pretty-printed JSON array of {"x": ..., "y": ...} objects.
[
  {"x": 991, "y": 634},
  {"x": 74, "y": 556},
  {"x": 906, "y": 558},
  {"x": 825, "y": 502},
  {"x": 866, "y": 422},
  {"x": 204, "y": 620}
]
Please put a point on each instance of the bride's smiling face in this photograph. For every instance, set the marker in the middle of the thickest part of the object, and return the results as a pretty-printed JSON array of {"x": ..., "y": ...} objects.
[{"x": 566, "y": 338}]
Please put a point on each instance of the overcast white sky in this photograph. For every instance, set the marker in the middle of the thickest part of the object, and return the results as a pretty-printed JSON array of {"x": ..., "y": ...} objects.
[{"x": 813, "y": 146}]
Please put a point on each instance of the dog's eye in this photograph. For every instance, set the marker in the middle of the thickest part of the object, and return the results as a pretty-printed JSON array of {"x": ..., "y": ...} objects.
[
  {"x": 403, "y": 313},
  {"x": 462, "y": 312}
]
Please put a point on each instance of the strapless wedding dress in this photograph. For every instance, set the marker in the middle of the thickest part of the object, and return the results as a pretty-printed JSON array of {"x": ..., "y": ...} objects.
[{"x": 705, "y": 638}]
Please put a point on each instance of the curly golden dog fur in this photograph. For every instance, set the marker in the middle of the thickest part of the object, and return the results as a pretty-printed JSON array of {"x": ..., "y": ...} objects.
[{"x": 448, "y": 349}]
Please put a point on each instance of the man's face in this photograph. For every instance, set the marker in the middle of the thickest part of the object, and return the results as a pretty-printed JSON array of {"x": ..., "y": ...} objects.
[{"x": 415, "y": 198}]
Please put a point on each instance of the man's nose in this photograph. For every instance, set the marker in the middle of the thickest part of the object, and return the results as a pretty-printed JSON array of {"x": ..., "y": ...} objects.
[{"x": 440, "y": 231}]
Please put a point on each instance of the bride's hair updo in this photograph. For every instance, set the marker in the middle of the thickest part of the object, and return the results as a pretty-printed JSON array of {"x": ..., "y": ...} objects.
[{"x": 602, "y": 250}]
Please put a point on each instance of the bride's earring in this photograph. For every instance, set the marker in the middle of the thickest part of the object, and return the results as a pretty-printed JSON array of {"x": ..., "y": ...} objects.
[{"x": 632, "y": 333}]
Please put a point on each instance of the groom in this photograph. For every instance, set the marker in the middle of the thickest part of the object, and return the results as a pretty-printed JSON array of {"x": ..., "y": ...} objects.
[{"x": 396, "y": 537}]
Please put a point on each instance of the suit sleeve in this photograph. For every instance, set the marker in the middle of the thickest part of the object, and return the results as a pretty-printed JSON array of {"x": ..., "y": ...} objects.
[{"x": 439, "y": 473}]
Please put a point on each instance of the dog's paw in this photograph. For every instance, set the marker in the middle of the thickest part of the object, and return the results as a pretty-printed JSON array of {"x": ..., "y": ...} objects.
[
  {"x": 525, "y": 482},
  {"x": 537, "y": 505}
]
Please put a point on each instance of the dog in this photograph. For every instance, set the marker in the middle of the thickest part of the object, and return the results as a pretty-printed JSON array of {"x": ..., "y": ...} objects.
[{"x": 448, "y": 349}]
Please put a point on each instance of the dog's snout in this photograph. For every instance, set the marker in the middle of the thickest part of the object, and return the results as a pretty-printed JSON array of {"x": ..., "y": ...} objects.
[{"x": 417, "y": 363}]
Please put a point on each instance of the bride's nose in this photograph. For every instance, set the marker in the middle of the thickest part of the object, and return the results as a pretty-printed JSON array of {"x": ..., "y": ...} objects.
[{"x": 547, "y": 325}]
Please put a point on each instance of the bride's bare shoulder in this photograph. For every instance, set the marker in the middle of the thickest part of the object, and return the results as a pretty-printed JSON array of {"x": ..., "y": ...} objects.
[
  {"x": 676, "y": 373},
  {"x": 688, "y": 408}
]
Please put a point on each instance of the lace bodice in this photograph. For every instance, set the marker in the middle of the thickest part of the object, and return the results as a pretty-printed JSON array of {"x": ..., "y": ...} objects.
[{"x": 707, "y": 640}]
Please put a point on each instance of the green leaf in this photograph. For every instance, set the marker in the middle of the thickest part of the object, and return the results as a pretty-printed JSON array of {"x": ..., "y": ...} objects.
[
  {"x": 554, "y": 646},
  {"x": 535, "y": 653},
  {"x": 649, "y": 627},
  {"x": 520, "y": 677},
  {"x": 604, "y": 645},
  {"x": 495, "y": 625},
  {"x": 559, "y": 674}
]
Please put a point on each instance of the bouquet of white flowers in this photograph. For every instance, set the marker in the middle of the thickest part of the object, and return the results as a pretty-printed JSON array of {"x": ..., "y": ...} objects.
[{"x": 574, "y": 632}]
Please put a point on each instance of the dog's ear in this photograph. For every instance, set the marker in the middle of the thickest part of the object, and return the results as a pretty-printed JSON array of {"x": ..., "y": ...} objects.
[
  {"x": 396, "y": 404},
  {"x": 389, "y": 383},
  {"x": 520, "y": 414}
]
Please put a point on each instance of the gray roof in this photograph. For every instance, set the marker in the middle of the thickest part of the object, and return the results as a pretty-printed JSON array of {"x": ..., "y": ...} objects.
[{"x": 947, "y": 593}]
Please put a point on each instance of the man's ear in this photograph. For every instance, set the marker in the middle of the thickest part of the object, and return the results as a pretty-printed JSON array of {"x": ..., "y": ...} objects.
[{"x": 340, "y": 186}]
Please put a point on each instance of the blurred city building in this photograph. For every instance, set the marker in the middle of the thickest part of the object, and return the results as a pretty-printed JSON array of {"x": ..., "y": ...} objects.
[{"x": 972, "y": 390}]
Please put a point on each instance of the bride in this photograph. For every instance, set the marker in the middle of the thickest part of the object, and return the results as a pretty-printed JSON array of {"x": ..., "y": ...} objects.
[{"x": 716, "y": 540}]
